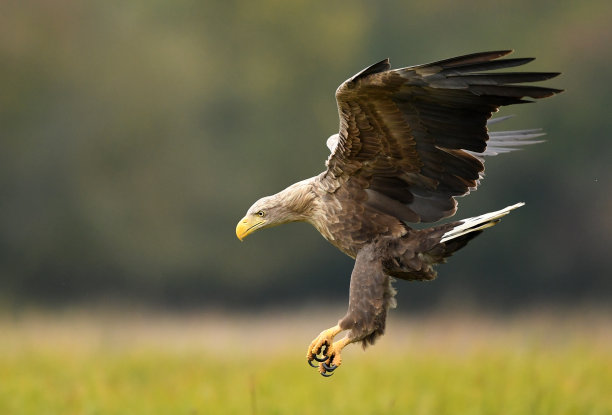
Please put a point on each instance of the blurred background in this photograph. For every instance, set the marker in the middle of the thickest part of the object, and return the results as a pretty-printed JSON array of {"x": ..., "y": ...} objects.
[{"x": 135, "y": 134}]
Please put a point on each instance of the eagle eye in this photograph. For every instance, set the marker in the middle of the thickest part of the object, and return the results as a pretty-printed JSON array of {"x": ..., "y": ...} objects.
[{"x": 260, "y": 213}]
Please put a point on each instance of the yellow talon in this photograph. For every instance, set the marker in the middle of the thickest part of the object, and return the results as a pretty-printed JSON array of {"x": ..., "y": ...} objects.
[
  {"x": 324, "y": 344},
  {"x": 326, "y": 337}
]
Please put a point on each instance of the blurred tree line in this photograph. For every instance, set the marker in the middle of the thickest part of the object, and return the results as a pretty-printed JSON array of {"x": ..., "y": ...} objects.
[{"x": 135, "y": 134}]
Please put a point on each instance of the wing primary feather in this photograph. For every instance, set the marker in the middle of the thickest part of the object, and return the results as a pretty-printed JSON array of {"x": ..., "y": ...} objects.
[
  {"x": 501, "y": 135},
  {"x": 486, "y": 66},
  {"x": 506, "y": 141},
  {"x": 499, "y": 119},
  {"x": 514, "y": 91},
  {"x": 467, "y": 59},
  {"x": 504, "y": 78}
]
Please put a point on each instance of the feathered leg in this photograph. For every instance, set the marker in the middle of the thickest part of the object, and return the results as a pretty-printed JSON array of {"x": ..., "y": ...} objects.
[{"x": 370, "y": 297}]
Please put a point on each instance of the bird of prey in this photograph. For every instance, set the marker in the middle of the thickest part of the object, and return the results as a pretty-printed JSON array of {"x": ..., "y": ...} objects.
[{"x": 411, "y": 140}]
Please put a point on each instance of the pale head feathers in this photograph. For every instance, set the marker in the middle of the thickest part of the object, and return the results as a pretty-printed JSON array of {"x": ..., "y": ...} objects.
[{"x": 295, "y": 203}]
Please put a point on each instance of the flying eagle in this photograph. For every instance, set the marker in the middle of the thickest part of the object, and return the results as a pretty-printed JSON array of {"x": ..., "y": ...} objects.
[{"x": 410, "y": 141}]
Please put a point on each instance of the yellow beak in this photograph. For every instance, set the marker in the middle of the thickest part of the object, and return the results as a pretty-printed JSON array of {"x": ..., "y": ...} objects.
[{"x": 248, "y": 225}]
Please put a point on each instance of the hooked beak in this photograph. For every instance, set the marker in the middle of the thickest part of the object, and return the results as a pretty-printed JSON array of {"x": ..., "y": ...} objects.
[{"x": 248, "y": 225}]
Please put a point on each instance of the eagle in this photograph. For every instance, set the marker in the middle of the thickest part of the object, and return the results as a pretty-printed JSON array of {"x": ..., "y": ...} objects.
[{"x": 410, "y": 141}]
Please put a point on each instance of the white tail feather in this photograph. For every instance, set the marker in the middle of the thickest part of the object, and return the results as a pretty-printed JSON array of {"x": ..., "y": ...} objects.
[{"x": 478, "y": 223}]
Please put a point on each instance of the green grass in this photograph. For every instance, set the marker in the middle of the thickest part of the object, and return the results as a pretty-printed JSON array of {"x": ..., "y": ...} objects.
[{"x": 200, "y": 365}]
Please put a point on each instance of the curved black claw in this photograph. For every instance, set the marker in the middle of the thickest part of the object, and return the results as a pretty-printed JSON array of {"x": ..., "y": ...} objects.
[
  {"x": 321, "y": 359},
  {"x": 326, "y": 375},
  {"x": 321, "y": 350},
  {"x": 311, "y": 365},
  {"x": 329, "y": 368}
]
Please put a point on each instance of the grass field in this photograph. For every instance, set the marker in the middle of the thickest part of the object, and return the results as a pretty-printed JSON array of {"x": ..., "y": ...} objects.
[{"x": 149, "y": 363}]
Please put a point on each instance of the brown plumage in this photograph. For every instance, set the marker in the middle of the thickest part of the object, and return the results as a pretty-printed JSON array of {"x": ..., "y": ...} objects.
[{"x": 410, "y": 141}]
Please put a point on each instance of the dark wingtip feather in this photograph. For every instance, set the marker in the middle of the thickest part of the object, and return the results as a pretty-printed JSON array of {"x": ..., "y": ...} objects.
[
  {"x": 488, "y": 65},
  {"x": 512, "y": 91},
  {"x": 500, "y": 78},
  {"x": 470, "y": 59},
  {"x": 381, "y": 66}
]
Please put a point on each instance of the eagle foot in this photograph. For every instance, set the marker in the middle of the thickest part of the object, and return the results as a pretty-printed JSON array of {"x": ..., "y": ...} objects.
[
  {"x": 325, "y": 352},
  {"x": 332, "y": 361},
  {"x": 328, "y": 362}
]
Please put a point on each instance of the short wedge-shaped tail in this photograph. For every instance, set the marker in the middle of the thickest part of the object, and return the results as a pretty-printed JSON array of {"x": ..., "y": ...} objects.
[{"x": 478, "y": 223}]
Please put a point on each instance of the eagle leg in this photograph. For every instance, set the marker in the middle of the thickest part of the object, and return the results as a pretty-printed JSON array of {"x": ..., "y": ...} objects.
[{"x": 371, "y": 295}]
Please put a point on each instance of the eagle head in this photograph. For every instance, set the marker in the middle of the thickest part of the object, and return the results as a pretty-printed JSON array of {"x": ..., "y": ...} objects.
[
  {"x": 293, "y": 204},
  {"x": 264, "y": 213}
]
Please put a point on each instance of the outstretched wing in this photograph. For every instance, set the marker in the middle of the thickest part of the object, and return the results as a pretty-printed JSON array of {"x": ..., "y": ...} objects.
[{"x": 412, "y": 137}]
